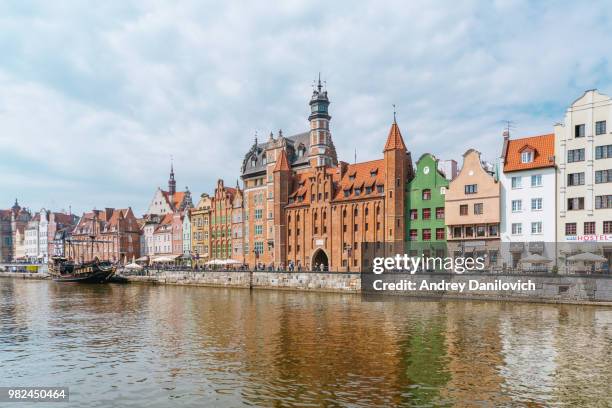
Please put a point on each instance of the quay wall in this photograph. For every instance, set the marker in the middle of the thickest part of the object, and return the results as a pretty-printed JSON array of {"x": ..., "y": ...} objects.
[{"x": 549, "y": 289}]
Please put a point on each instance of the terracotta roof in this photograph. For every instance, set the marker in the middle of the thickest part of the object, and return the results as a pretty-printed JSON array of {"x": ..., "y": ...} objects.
[
  {"x": 282, "y": 163},
  {"x": 361, "y": 175},
  {"x": 394, "y": 140},
  {"x": 544, "y": 153}
]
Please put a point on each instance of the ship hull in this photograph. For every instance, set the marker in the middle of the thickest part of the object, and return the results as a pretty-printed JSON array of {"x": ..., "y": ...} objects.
[{"x": 92, "y": 272}]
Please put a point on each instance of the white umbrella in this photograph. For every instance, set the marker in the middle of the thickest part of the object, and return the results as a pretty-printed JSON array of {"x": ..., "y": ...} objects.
[
  {"x": 231, "y": 262},
  {"x": 163, "y": 259},
  {"x": 215, "y": 262},
  {"x": 536, "y": 259},
  {"x": 587, "y": 257},
  {"x": 133, "y": 267}
]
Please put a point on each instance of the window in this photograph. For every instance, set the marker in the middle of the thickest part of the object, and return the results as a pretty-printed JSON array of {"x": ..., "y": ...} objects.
[
  {"x": 607, "y": 227},
  {"x": 471, "y": 188},
  {"x": 603, "y": 201},
  {"x": 463, "y": 209},
  {"x": 439, "y": 234},
  {"x": 576, "y": 203},
  {"x": 600, "y": 127},
  {"x": 536, "y": 204},
  {"x": 603, "y": 152},
  {"x": 456, "y": 232},
  {"x": 481, "y": 231},
  {"x": 414, "y": 214},
  {"x": 516, "y": 182},
  {"x": 426, "y": 213},
  {"x": 579, "y": 130},
  {"x": 380, "y": 189},
  {"x": 478, "y": 208},
  {"x": 603, "y": 176},
  {"x": 589, "y": 228},
  {"x": 517, "y": 205},
  {"x": 439, "y": 213},
  {"x": 347, "y": 193},
  {"x": 570, "y": 228},
  {"x": 517, "y": 228},
  {"x": 413, "y": 235},
  {"x": 536, "y": 180},
  {"x": 469, "y": 231},
  {"x": 493, "y": 230},
  {"x": 575, "y": 155},
  {"x": 258, "y": 214},
  {"x": 357, "y": 191},
  {"x": 356, "y": 227},
  {"x": 536, "y": 227},
  {"x": 427, "y": 194},
  {"x": 575, "y": 179},
  {"x": 426, "y": 234},
  {"x": 527, "y": 156}
]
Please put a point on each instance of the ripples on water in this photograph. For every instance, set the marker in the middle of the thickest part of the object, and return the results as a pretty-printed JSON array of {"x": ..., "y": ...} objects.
[{"x": 137, "y": 345}]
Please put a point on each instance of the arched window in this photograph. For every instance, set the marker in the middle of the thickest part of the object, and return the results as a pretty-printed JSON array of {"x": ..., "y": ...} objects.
[
  {"x": 366, "y": 211},
  {"x": 356, "y": 212}
]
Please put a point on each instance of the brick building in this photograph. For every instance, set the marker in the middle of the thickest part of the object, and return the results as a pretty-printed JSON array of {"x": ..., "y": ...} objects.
[
  {"x": 221, "y": 208},
  {"x": 115, "y": 233},
  {"x": 304, "y": 208}
]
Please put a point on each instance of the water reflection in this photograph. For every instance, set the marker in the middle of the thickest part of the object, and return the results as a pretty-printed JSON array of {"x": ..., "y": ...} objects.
[{"x": 134, "y": 344}]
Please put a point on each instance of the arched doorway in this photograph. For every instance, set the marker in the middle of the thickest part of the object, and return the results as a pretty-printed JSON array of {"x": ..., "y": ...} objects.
[{"x": 320, "y": 258}]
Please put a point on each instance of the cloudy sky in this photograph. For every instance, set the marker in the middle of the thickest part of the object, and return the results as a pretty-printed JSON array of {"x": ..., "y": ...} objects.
[{"x": 94, "y": 99}]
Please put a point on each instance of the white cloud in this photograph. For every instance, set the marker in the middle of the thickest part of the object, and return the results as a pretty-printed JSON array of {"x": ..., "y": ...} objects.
[{"x": 99, "y": 98}]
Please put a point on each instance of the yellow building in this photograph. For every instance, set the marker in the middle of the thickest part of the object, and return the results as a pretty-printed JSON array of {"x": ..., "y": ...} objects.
[{"x": 200, "y": 230}]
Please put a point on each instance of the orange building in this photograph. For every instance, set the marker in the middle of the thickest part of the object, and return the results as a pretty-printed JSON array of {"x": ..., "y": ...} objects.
[{"x": 303, "y": 208}]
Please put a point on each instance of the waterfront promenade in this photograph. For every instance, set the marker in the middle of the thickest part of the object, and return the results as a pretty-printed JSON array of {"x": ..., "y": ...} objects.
[{"x": 570, "y": 289}]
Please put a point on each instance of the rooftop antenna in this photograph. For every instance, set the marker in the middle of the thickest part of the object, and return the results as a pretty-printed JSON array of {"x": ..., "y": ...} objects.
[
  {"x": 355, "y": 156},
  {"x": 509, "y": 125}
]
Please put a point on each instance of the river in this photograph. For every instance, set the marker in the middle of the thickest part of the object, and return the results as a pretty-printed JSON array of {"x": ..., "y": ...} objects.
[{"x": 158, "y": 346}]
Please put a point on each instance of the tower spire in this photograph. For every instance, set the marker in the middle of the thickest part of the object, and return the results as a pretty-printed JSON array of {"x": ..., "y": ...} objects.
[
  {"x": 394, "y": 119},
  {"x": 171, "y": 180}
]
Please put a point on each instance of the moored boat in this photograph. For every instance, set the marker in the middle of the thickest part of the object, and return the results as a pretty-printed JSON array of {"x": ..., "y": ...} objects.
[{"x": 65, "y": 270}]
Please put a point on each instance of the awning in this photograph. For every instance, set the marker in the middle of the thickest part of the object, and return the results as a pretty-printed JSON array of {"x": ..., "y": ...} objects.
[{"x": 143, "y": 259}]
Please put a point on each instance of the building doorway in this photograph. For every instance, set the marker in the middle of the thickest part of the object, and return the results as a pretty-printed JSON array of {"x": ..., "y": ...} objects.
[{"x": 320, "y": 261}]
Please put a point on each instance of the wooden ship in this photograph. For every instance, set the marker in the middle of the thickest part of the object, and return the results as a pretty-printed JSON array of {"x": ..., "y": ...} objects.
[{"x": 63, "y": 268}]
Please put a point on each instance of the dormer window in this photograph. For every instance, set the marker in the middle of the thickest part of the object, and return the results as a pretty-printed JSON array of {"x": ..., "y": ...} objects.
[
  {"x": 253, "y": 161},
  {"x": 527, "y": 156},
  {"x": 301, "y": 151},
  {"x": 264, "y": 159},
  {"x": 352, "y": 177},
  {"x": 373, "y": 173},
  {"x": 347, "y": 193}
]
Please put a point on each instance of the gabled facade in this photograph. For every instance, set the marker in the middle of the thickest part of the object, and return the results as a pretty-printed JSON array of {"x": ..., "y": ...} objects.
[
  {"x": 200, "y": 230},
  {"x": 472, "y": 210},
  {"x": 170, "y": 201},
  {"x": 425, "y": 224},
  {"x": 221, "y": 208},
  {"x": 116, "y": 233}
]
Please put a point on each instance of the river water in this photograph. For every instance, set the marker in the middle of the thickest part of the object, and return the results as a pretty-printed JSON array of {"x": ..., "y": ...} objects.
[{"x": 158, "y": 346}]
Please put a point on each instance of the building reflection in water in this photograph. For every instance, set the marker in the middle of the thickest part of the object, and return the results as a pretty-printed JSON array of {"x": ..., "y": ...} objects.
[{"x": 235, "y": 347}]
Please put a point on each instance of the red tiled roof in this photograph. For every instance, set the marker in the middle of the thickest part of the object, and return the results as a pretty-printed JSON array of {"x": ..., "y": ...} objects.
[
  {"x": 360, "y": 175},
  {"x": 544, "y": 152},
  {"x": 394, "y": 140}
]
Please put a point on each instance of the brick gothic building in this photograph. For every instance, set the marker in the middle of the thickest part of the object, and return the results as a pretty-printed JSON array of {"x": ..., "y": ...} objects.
[
  {"x": 118, "y": 231},
  {"x": 302, "y": 206}
]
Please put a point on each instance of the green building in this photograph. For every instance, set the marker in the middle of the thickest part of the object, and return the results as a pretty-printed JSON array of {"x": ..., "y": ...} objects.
[{"x": 425, "y": 229}]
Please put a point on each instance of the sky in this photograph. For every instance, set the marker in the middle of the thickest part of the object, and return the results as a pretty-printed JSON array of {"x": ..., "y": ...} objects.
[{"x": 96, "y": 99}]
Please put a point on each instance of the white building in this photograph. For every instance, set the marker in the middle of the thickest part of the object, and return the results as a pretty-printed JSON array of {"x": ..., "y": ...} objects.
[
  {"x": 528, "y": 197},
  {"x": 583, "y": 145},
  {"x": 186, "y": 233}
]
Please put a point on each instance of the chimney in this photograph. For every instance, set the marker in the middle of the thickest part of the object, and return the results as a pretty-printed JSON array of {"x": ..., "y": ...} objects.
[{"x": 342, "y": 167}]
